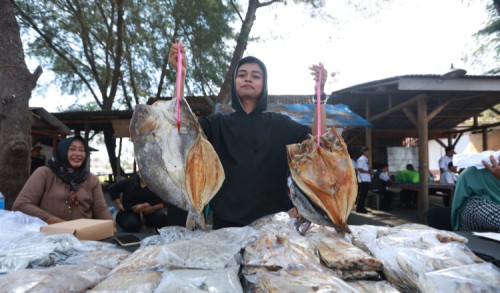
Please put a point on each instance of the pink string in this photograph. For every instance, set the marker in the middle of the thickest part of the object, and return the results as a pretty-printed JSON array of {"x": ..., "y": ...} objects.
[
  {"x": 318, "y": 104},
  {"x": 178, "y": 86}
]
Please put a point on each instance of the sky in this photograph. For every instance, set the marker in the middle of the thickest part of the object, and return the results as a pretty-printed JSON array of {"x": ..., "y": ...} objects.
[{"x": 402, "y": 37}]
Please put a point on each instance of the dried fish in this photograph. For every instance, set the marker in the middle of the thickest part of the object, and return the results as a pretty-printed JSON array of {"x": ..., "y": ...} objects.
[
  {"x": 143, "y": 259},
  {"x": 339, "y": 254},
  {"x": 196, "y": 254},
  {"x": 63, "y": 278},
  {"x": 325, "y": 175},
  {"x": 130, "y": 282},
  {"x": 282, "y": 251},
  {"x": 364, "y": 286},
  {"x": 198, "y": 281},
  {"x": 484, "y": 277},
  {"x": 302, "y": 281},
  {"x": 180, "y": 166}
]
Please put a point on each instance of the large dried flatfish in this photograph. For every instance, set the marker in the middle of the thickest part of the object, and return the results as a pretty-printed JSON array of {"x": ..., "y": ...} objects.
[
  {"x": 180, "y": 166},
  {"x": 326, "y": 176}
]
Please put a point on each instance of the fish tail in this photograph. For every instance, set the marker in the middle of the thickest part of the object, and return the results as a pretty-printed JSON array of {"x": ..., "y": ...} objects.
[{"x": 195, "y": 221}]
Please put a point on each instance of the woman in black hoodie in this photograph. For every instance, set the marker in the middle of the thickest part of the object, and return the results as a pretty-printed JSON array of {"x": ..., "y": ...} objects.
[{"x": 251, "y": 144}]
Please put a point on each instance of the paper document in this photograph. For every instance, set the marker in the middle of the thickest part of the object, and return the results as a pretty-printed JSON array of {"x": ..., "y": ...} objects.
[
  {"x": 489, "y": 235},
  {"x": 468, "y": 160}
]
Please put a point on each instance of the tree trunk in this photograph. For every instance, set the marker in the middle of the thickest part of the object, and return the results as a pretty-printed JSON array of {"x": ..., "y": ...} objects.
[
  {"x": 224, "y": 96},
  {"x": 16, "y": 83}
]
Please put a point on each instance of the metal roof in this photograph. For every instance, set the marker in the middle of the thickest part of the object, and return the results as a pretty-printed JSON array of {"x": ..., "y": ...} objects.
[{"x": 391, "y": 104}]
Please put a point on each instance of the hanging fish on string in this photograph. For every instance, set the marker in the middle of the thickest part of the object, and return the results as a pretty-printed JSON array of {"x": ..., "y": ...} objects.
[{"x": 174, "y": 157}]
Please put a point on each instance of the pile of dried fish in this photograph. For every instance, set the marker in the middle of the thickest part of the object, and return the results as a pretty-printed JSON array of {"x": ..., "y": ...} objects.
[
  {"x": 280, "y": 249},
  {"x": 325, "y": 176},
  {"x": 129, "y": 282},
  {"x": 180, "y": 166},
  {"x": 63, "y": 278},
  {"x": 273, "y": 257},
  {"x": 407, "y": 252},
  {"x": 483, "y": 277},
  {"x": 349, "y": 261},
  {"x": 302, "y": 281}
]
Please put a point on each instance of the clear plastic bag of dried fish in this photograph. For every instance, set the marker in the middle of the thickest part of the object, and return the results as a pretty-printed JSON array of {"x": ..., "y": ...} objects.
[
  {"x": 302, "y": 281},
  {"x": 36, "y": 249},
  {"x": 197, "y": 281},
  {"x": 210, "y": 250},
  {"x": 404, "y": 263},
  {"x": 484, "y": 277},
  {"x": 130, "y": 282},
  {"x": 325, "y": 187},
  {"x": 63, "y": 278},
  {"x": 178, "y": 164}
]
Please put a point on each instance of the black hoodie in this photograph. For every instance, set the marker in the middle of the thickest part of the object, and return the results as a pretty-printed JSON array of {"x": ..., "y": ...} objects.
[{"x": 252, "y": 150}]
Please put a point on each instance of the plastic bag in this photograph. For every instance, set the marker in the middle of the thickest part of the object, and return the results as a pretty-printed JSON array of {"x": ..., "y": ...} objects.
[
  {"x": 35, "y": 249},
  {"x": 64, "y": 278},
  {"x": 484, "y": 277},
  {"x": 131, "y": 282},
  {"x": 171, "y": 234},
  {"x": 404, "y": 265},
  {"x": 143, "y": 259},
  {"x": 302, "y": 281},
  {"x": 339, "y": 254},
  {"x": 282, "y": 251},
  {"x": 196, "y": 254},
  {"x": 372, "y": 286},
  {"x": 193, "y": 281},
  {"x": 106, "y": 257}
]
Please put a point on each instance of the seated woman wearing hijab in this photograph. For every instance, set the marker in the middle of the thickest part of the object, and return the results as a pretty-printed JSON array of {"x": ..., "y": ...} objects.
[
  {"x": 251, "y": 144},
  {"x": 476, "y": 202},
  {"x": 65, "y": 190},
  {"x": 137, "y": 204}
]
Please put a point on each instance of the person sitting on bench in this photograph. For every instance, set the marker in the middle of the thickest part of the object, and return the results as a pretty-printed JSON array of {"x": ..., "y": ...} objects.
[{"x": 379, "y": 184}]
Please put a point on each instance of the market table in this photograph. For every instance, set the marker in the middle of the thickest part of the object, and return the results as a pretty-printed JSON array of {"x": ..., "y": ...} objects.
[
  {"x": 487, "y": 249},
  {"x": 433, "y": 187}
]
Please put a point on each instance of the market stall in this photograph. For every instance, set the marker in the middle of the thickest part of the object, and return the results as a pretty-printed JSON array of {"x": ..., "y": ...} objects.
[{"x": 267, "y": 256}]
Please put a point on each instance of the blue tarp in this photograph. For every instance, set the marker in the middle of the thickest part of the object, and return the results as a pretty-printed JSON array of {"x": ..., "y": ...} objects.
[{"x": 339, "y": 115}]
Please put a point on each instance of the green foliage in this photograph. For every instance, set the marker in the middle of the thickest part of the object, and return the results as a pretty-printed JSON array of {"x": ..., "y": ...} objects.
[
  {"x": 80, "y": 41},
  {"x": 489, "y": 43},
  {"x": 81, "y": 108}
]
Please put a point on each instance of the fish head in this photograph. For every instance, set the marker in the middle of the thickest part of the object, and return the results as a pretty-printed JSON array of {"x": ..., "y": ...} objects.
[{"x": 144, "y": 122}]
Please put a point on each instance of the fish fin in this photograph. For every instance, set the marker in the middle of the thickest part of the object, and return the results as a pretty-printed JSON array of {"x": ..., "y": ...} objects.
[
  {"x": 195, "y": 221},
  {"x": 204, "y": 173}
]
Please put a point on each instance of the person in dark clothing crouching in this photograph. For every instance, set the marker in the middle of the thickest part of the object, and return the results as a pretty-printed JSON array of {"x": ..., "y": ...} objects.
[{"x": 136, "y": 205}]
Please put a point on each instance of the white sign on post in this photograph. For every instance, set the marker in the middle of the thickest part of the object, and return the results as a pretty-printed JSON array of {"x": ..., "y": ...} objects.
[{"x": 399, "y": 157}]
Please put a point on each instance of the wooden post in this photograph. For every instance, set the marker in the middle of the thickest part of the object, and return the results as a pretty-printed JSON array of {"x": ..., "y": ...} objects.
[
  {"x": 485, "y": 139},
  {"x": 368, "y": 131},
  {"x": 423, "y": 158}
]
